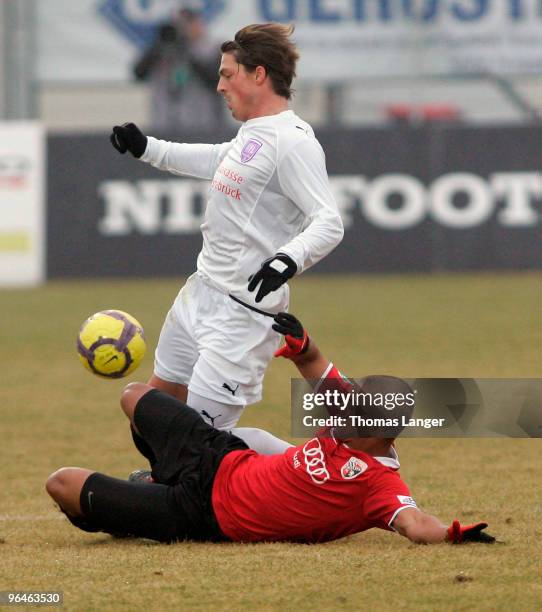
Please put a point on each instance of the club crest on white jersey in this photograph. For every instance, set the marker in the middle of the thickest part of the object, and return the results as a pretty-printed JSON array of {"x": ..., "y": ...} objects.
[
  {"x": 353, "y": 468},
  {"x": 252, "y": 146}
]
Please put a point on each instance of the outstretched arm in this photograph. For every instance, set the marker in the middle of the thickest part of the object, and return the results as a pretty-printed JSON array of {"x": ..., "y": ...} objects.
[
  {"x": 299, "y": 347},
  {"x": 419, "y": 527},
  {"x": 198, "y": 160},
  {"x": 302, "y": 350},
  {"x": 426, "y": 529}
]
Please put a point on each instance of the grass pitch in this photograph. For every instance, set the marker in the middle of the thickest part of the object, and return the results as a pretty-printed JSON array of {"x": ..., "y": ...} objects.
[{"x": 54, "y": 413}]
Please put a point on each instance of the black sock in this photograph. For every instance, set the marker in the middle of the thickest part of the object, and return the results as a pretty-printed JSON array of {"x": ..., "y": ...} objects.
[{"x": 80, "y": 522}]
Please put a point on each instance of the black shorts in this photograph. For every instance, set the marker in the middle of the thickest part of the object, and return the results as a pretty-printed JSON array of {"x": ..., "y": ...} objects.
[{"x": 178, "y": 505}]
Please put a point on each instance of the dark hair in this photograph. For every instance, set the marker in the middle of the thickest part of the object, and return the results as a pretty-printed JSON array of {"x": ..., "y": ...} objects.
[
  {"x": 382, "y": 394},
  {"x": 267, "y": 45}
]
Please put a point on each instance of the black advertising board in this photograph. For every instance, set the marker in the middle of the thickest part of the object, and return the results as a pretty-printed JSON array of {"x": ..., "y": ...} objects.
[{"x": 426, "y": 199}]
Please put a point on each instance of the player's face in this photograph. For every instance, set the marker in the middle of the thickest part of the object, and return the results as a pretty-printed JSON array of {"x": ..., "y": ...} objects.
[{"x": 237, "y": 86}]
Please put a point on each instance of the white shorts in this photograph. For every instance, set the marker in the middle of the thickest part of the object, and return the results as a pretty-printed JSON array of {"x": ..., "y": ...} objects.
[{"x": 217, "y": 347}]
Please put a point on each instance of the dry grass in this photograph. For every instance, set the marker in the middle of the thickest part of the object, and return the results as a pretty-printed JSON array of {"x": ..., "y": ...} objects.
[{"x": 54, "y": 413}]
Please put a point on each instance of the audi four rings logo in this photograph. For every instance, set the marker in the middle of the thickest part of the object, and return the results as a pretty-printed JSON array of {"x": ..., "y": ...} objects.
[{"x": 314, "y": 461}]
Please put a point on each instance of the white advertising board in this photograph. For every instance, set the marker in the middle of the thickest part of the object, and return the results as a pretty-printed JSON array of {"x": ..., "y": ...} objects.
[
  {"x": 338, "y": 39},
  {"x": 22, "y": 215}
]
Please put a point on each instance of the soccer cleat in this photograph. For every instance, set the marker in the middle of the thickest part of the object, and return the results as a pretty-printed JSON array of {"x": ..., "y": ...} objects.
[{"x": 141, "y": 476}]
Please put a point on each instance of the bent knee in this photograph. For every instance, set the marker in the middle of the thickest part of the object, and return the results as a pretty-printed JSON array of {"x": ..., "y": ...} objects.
[
  {"x": 58, "y": 482},
  {"x": 65, "y": 485},
  {"x": 130, "y": 395},
  {"x": 178, "y": 390}
]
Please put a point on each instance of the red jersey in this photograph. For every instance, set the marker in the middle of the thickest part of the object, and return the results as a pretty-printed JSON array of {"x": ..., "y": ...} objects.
[{"x": 319, "y": 491}]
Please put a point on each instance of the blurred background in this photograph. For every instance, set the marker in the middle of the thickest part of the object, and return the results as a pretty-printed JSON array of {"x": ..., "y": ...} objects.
[{"x": 428, "y": 110}]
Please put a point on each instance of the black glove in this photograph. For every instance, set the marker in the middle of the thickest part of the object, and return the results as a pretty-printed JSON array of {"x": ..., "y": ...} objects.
[
  {"x": 458, "y": 533},
  {"x": 295, "y": 335},
  {"x": 128, "y": 137},
  {"x": 274, "y": 272}
]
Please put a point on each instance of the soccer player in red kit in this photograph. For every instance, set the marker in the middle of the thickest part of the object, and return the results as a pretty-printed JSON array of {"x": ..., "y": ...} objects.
[{"x": 209, "y": 486}]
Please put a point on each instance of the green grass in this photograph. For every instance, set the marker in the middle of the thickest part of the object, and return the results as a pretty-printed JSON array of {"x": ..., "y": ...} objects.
[{"x": 55, "y": 413}]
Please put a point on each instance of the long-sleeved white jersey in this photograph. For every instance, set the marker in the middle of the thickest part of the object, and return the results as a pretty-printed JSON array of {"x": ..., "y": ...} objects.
[{"x": 269, "y": 192}]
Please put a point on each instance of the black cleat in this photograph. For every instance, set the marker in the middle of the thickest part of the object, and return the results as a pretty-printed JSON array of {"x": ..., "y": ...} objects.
[{"x": 141, "y": 476}]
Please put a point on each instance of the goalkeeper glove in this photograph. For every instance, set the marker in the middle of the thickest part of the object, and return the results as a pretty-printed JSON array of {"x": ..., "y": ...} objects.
[
  {"x": 274, "y": 272},
  {"x": 128, "y": 137},
  {"x": 469, "y": 533},
  {"x": 296, "y": 337}
]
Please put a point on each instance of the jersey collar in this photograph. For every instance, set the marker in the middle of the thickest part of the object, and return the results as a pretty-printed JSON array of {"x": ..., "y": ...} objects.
[
  {"x": 268, "y": 118},
  {"x": 392, "y": 461}
]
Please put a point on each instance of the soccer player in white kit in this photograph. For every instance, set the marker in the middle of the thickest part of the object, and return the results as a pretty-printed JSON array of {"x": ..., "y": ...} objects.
[{"x": 270, "y": 215}]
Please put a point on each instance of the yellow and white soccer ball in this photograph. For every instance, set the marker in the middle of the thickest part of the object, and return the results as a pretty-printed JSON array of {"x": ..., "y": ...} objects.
[{"x": 111, "y": 343}]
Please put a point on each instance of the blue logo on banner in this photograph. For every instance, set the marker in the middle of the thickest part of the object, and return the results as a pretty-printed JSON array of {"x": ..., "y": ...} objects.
[
  {"x": 137, "y": 20},
  {"x": 384, "y": 11}
]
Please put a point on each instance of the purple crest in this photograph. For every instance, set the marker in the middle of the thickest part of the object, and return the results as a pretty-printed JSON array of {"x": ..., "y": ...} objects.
[{"x": 250, "y": 149}]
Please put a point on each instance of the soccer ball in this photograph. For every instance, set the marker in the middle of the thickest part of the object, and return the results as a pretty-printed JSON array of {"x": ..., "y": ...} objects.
[{"x": 111, "y": 343}]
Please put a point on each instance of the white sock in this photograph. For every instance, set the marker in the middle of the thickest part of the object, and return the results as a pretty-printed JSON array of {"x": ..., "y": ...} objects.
[
  {"x": 261, "y": 441},
  {"x": 217, "y": 414},
  {"x": 226, "y": 416}
]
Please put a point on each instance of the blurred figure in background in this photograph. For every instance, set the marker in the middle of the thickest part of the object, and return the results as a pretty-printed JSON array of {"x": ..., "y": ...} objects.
[{"x": 181, "y": 66}]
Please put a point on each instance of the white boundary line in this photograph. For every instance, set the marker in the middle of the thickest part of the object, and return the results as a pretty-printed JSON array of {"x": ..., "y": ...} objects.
[{"x": 6, "y": 518}]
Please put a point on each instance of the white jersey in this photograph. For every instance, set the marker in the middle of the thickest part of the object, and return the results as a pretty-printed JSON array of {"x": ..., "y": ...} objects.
[{"x": 269, "y": 192}]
